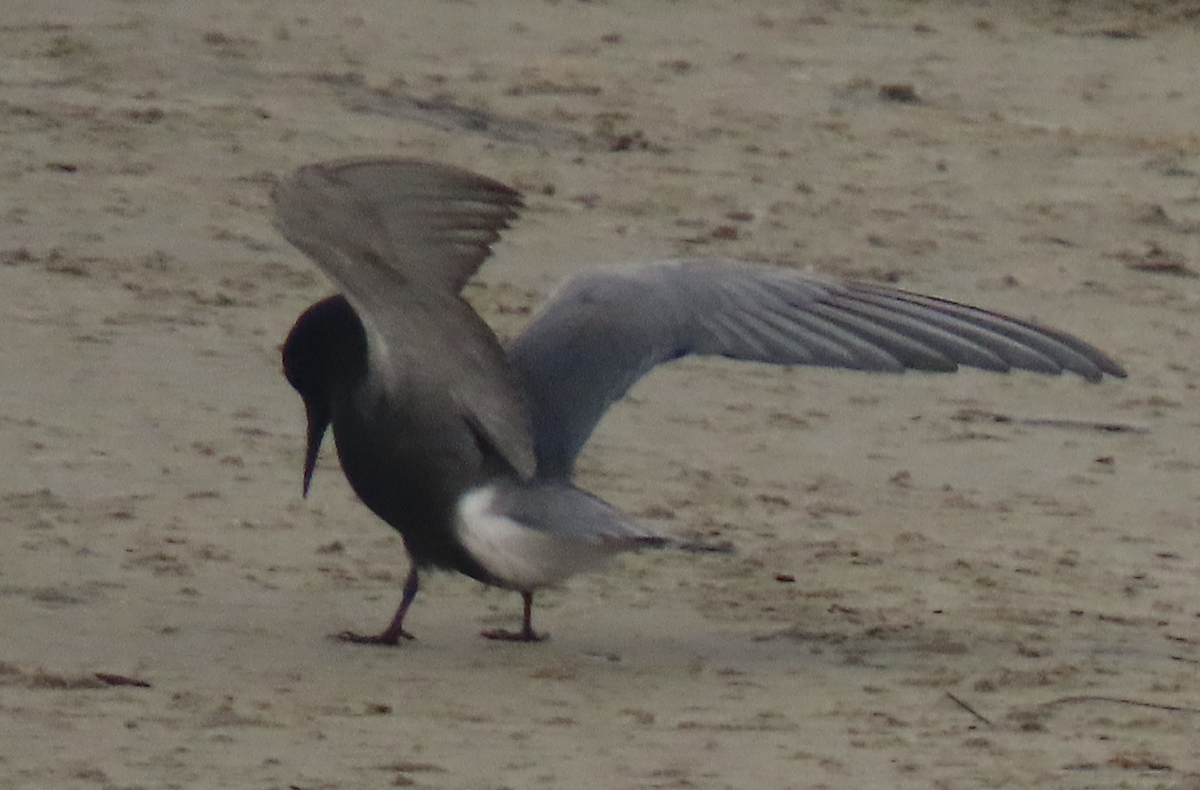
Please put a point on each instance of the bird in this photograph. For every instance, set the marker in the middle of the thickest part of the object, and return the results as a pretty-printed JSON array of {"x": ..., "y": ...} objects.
[{"x": 467, "y": 447}]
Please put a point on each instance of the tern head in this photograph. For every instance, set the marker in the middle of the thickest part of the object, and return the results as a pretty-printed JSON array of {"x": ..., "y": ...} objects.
[{"x": 326, "y": 349}]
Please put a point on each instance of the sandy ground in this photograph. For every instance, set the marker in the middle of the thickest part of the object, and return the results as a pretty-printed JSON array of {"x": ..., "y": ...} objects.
[{"x": 924, "y": 596}]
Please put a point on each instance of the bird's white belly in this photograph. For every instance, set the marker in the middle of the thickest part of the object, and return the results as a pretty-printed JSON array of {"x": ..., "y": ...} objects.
[{"x": 519, "y": 556}]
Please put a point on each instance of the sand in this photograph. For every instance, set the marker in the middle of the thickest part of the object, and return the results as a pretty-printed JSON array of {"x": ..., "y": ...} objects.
[{"x": 941, "y": 581}]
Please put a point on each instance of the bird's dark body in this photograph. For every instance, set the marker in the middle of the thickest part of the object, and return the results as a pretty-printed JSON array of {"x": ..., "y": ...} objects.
[
  {"x": 383, "y": 436},
  {"x": 419, "y": 504}
]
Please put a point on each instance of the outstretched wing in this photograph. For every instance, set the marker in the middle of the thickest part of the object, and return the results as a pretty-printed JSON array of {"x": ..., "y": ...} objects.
[
  {"x": 602, "y": 332},
  {"x": 425, "y": 224},
  {"x": 400, "y": 237}
]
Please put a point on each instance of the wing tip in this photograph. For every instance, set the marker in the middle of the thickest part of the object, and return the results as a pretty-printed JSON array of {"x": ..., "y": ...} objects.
[{"x": 407, "y": 167}]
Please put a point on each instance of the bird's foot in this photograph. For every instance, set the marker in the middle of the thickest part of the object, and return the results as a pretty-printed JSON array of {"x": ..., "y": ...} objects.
[
  {"x": 385, "y": 639},
  {"x": 524, "y": 635}
]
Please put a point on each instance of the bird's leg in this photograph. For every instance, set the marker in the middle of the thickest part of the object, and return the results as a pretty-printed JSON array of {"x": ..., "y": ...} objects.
[
  {"x": 526, "y": 634},
  {"x": 391, "y": 635}
]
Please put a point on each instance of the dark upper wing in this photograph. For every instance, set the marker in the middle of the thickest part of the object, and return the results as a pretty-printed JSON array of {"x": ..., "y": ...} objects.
[
  {"x": 602, "y": 332},
  {"x": 430, "y": 223},
  {"x": 400, "y": 237}
]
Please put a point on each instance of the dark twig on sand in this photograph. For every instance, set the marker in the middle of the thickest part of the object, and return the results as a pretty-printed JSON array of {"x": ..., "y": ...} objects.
[
  {"x": 969, "y": 709},
  {"x": 1115, "y": 700},
  {"x": 110, "y": 679},
  {"x": 982, "y": 415}
]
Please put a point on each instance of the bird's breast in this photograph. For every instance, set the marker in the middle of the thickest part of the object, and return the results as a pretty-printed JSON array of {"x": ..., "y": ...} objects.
[{"x": 409, "y": 467}]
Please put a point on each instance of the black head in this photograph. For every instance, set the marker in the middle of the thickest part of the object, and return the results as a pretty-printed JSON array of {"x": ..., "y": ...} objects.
[{"x": 326, "y": 349}]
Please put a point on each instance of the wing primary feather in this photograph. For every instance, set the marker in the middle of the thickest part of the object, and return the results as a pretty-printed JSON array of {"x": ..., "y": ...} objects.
[
  {"x": 827, "y": 339},
  {"x": 1021, "y": 345},
  {"x": 798, "y": 337},
  {"x": 1095, "y": 358},
  {"x": 959, "y": 342}
]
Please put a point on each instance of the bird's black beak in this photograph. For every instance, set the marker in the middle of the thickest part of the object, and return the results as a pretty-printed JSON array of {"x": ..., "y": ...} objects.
[{"x": 318, "y": 421}]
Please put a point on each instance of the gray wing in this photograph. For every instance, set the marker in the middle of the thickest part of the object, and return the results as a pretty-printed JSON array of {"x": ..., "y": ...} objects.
[
  {"x": 561, "y": 509},
  {"x": 528, "y": 536},
  {"x": 400, "y": 237},
  {"x": 602, "y": 332},
  {"x": 430, "y": 224}
]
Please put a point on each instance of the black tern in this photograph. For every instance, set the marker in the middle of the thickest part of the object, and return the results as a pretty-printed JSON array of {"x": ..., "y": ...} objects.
[{"x": 466, "y": 448}]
